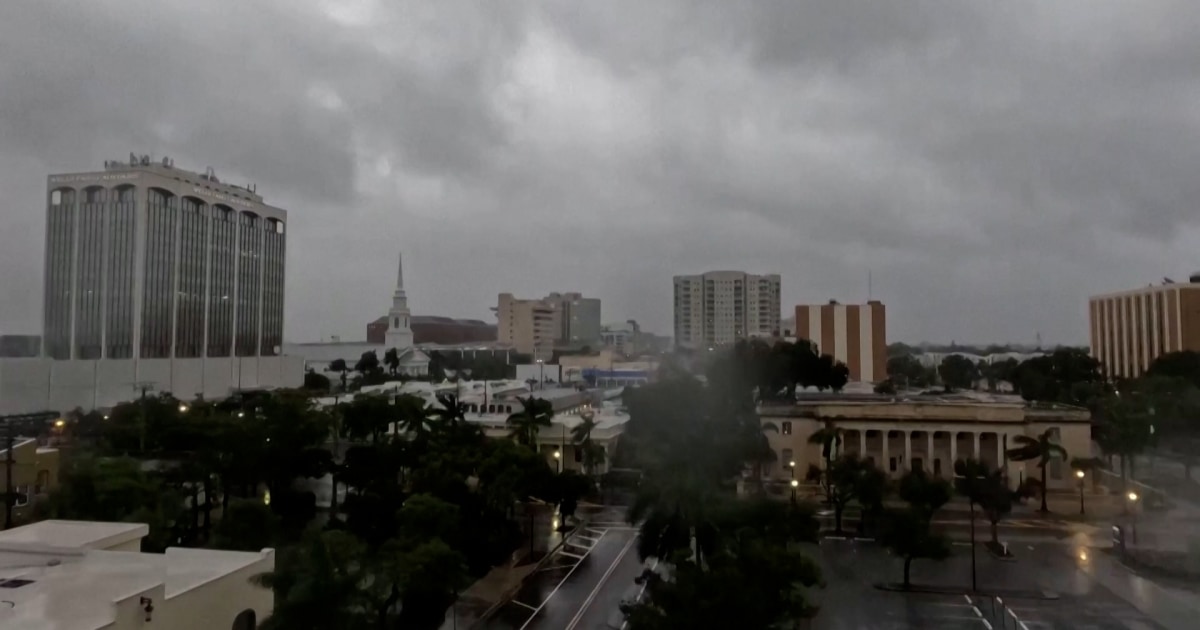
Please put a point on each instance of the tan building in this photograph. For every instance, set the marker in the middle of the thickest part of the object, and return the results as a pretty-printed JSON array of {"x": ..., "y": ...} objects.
[
  {"x": 529, "y": 326},
  {"x": 855, "y": 334},
  {"x": 719, "y": 307},
  {"x": 1131, "y": 328},
  {"x": 929, "y": 433},
  {"x": 35, "y": 473}
]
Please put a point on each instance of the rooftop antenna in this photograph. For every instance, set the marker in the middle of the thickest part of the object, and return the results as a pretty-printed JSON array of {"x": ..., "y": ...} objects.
[{"x": 868, "y": 285}]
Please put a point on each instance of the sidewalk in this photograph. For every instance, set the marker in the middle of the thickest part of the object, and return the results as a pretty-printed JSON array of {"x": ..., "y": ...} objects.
[{"x": 502, "y": 582}]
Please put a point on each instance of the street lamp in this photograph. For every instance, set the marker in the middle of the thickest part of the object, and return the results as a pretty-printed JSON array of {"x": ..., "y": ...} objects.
[
  {"x": 1133, "y": 498},
  {"x": 558, "y": 460},
  {"x": 1079, "y": 474},
  {"x": 795, "y": 484},
  {"x": 541, "y": 374},
  {"x": 183, "y": 408}
]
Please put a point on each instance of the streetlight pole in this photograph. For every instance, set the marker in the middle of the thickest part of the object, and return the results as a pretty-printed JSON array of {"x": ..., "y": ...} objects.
[
  {"x": 1080, "y": 474},
  {"x": 558, "y": 461},
  {"x": 541, "y": 373},
  {"x": 795, "y": 484},
  {"x": 1133, "y": 497}
]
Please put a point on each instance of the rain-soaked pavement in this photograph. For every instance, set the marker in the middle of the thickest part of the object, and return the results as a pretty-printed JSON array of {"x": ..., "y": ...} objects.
[{"x": 582, "y": 585}]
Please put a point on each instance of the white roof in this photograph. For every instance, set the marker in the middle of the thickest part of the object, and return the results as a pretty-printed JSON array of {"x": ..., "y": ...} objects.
[
  {"x": 75, "y": 534},
  {"x": 65, "y": 583}
]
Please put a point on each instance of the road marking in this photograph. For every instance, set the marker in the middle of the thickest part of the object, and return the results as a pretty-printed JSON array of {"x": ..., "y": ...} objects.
[
  {"x": 571, "y": 555},
  {"x": 1017, "y": 619},
  {"x": 978, "y": 614},
  {"x": 523, "y": 604},
  {"x": 591, "y": 538},
  {"x": 604, "y": 578},
  {"x": 555, "y": 590}
]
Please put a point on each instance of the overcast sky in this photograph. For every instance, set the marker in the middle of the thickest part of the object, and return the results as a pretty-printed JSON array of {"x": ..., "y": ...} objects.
[{"x": 990, "y": 163}]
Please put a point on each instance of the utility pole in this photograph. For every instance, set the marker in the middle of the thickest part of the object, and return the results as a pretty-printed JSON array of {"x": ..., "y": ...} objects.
[{"x": 143, "y": 387}]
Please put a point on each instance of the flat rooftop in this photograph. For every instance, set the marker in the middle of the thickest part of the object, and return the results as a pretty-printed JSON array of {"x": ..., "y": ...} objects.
[
  {"x": 75, "y": 534},
  {"x": 55, "y": 579}
]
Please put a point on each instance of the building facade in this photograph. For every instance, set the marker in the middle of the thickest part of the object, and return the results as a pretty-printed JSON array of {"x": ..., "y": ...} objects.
[
  {"x": 720, "y": 307},
  {"x": 147, "y": 261},
  {"x": 855, "y": 334},
  {"x": 20, "y": 346},
  {"x": 1130, "y": 329},
  {"x": 156, "y": 278},
  {"x": 528, "y": 326},
  {"x": 578, "y": 319},
  {"x": 928, "y": 434}
]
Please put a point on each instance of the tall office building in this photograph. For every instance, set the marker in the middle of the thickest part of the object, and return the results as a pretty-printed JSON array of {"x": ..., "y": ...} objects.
[
  {"x": 578, "y": 319},
  {"x": 148, "y": 261},
  {"x": 855, "y": 334},
  {"x": 720, "y": 307},
  {"x": 1130, "y": 329}
]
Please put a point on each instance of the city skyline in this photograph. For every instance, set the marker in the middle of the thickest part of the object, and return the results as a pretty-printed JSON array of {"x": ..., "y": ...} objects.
[{"x": 513, "y": 148}]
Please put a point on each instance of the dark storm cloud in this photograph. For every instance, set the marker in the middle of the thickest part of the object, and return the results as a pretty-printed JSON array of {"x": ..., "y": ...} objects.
[{"x": 990, "y": 164}]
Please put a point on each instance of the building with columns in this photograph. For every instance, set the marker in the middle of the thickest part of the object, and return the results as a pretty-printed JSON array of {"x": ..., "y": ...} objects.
[{"x": 927, "y": 432}]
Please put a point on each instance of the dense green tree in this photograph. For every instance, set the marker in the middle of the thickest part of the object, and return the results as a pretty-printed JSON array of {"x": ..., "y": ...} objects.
[
  {"x": 984, "y": 488},
  {"x": 118, "y": 489},
  {"x": 907, "y": 371},
  {"x": 872, "y": 487},
  {"x": 316, "y": 382},
  {"x": 1042, "y": 449},
  {"x": 908, "y": 532},
  {"x": 1068, "y": 375},
  {"x": 958, "y": 372},
  {"x": 339, "y": 366},
  {"x": 750, "y": 583},
  {"x": 247, "y": 525},
  {"x": 1183, "y": 365}
]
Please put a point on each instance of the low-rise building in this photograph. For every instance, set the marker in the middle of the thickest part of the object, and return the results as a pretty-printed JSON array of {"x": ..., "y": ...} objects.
[
  {"x": 34, "y": 471},
  {"x": 77, "y": 575},
  {"x": 927, "y": 432}
]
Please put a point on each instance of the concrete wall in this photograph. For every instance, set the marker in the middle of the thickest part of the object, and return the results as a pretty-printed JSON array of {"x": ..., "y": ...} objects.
[
  {"x": 217, "y": 603},
  {"x": 43, "y": 384}
]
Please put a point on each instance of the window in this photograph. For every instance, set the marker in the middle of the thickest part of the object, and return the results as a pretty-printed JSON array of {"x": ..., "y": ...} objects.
[
  {"x": 892, "y": 464},
  {"x": 786, "y": 428},
  {"x": 785, "y": 457},
  {"x": 22, "y": 498}
]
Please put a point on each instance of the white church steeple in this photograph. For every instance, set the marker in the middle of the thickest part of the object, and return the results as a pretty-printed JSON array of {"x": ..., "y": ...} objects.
[{"x": 399, "y": 334}]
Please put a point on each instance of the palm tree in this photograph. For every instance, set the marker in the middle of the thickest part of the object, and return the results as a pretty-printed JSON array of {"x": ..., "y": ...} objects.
[
  {"x": 391, "y": 359},
  {"x": 412, "y": 417},
  {"x": 581, "y": 435},
  {"x": 1040, "y": 448},
  {"x": 339, "y": 365},
  {"x": 830, "y": 439},
  {"x": 534, "y": 414}
]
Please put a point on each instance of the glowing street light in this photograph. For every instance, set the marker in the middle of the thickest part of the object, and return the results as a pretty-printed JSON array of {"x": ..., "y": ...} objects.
[
  {"x": 795, "y": 484},
  {"x": 1133, "y": 498},
  {"x": 183, "y": 408},
  {"x": 60, "y": 423},
  {"x": 558, "y": 461}
]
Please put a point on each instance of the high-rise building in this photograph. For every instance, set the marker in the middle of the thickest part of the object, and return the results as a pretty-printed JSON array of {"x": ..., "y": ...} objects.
[
  {"x": 855, "y": 334},
  {"x": 529, "y": 326},
  {"x": 1130, "y": 329},
  {"x": 578, "y": 319},
  {"x": 720, "y": 307},
  {"x": 148, "y": 261}
]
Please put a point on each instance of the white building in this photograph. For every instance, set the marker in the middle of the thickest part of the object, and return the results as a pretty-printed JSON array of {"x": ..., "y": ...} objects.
[
  {"x": 490, "y": 403},
  {"x": 720, "y": 307},
  {"x": 155, "y": 278},
  {"x": 413, "y": 362},
  {"x": 77, "y": 575}
]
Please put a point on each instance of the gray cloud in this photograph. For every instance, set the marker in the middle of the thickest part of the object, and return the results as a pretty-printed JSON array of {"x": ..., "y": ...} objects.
[{"x": 989, "y": 164}]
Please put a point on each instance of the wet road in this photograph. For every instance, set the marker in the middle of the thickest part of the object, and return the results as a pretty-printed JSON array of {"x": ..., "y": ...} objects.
[
  {"x": 581, "y": 586},
  {"x": 851, "y": 602}
]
